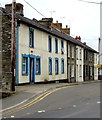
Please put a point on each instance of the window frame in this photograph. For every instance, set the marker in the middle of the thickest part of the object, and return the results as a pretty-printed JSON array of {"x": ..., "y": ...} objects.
[
  {"x": 62, "y": 66},
  {"x": 69, "y": 50},
  {"x": 50, "y": 66},
  {"x": 62, "y": 46},
  {"x": 56, "y": 45},
  {"x": 26, "y": 65},
  {"x": 56, "y": 70},
  {"x": 31, "y": 38},
  {"x": 50, "y": 43},
  {"x": 72, "y": 71},
  {"x": 39, "y": 67}
]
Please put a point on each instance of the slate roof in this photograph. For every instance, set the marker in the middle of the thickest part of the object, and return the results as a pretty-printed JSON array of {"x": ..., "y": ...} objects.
[{"x": 33, "y": 23}]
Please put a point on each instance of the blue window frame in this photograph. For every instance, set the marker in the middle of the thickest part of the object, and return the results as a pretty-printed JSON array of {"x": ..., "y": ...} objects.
[
  {"x": 62, "y": 47},
  {"x": 24, "y": 65},
  {"x": 49, "y": 43},
  {"x": 56, "y": 66},
  {"x": 50, "y": 66},
  {"x": 62, "y": 66},
  {"x": 38, "y": 66},
  {"x": 56, "y": 45},
  {"x": 31, "y": 38}
]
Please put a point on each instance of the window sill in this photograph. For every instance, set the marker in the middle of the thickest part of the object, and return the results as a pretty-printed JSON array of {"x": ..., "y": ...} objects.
[
  {"x": 49, "y": 51},
  {"x": 62, "y": 73},
  {"x": 50, "y": 74},
  {"x": 72, "y": 77},
  {"x": 24, "y": 74},
  {"x": 38, "y": 73},
  {"x": 32, "y": 47}
]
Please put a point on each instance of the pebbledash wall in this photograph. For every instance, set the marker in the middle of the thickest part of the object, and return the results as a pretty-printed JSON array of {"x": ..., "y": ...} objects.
[
  {"x": 79, "y": 63},
  {"x": 96, "y": 59},
  {"x": 40, "y": 50}
]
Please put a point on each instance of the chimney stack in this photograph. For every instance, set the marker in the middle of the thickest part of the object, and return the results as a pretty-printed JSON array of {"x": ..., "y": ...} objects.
[
  {"x": 46, "y": 22},
  {"x": 66, "y": 30},
  {"x": 78, "y": 38},
  {"x": 19, "y": 8}
]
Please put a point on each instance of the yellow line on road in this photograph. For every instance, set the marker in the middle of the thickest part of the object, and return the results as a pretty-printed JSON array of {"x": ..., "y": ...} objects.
[{"x": 39, "y": 98}]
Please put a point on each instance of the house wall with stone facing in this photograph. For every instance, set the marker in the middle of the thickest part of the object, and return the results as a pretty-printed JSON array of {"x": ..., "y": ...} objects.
[
  {"x": 6, "y": 53},
  {"x": 71, "y": 62},
  {"x": 88, "y": 65},
  {"x": 0, "y": 50}
]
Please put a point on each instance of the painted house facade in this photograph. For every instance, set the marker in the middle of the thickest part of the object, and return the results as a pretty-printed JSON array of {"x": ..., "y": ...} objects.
[
  {"x": 40, "y": 56},
  {"x": 96, "y": 59},
  {"x": 45, "y": 52},
  {"x": 79, "y": 63}
]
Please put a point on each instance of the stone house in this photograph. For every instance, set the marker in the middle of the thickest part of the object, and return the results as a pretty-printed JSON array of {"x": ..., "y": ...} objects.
[{"x": 88, "y": 63}]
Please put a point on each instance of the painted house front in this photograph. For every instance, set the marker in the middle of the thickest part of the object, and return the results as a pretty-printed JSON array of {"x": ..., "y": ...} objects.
[
  {"x": 79, "y": 63},
  {"x": 95, "y": 66},
  {"x": 40, "y": 56}
]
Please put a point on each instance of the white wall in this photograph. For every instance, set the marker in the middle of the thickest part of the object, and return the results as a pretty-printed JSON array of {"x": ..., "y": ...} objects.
[
  {"x": 95, "y": 66},
  {"x": 79, "y": 62},
  {"x": 41, "y": 49}
]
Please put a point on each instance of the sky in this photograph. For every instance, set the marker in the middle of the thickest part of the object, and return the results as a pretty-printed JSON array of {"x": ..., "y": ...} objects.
[{"x": 83, "y": 18}]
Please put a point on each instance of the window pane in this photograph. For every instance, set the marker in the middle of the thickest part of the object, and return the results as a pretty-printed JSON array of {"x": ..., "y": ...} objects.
[
  {"x": 62, "y": 47},
  {"x": 31, "y": 37},
  {"x": 56, "y": 66},
  {"x": 56, "y": 45},
  {"x": 62, "y": 67},
  {"x": 50, "y": 66},
  {"x": 38, "y": 66},
  {"x": 49, "y": 44},
  {"x": 24, "y": 65}
]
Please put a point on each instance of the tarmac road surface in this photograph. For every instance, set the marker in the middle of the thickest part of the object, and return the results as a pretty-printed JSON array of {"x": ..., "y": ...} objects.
[{"x": 77, "y": 101}]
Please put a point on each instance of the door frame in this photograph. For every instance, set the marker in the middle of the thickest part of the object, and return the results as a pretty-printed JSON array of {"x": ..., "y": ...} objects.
[{"x": 34, "y": 68}]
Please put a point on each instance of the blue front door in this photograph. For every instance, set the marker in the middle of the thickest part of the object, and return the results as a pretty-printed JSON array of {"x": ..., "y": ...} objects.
[{"x": 32, "y": 75}]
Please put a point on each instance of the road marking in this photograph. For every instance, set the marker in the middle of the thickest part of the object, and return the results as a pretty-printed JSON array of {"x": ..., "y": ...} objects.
[
  {"x": 28, "y": 113},
  {"x": 12, "y": 116},
  {"x": 98, "y": 102},
  {"x": 74, "y": 105},
  {"x": 4, "y": 117},
  {"x": 13, "y": 106},
  {"x": 39, "y": 98},
  {"x": 59, "y": 108},
  {"x": 42, "y": 111}
]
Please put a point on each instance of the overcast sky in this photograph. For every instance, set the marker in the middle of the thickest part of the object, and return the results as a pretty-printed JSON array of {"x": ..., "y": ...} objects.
[{"x": 82, "y": 18}]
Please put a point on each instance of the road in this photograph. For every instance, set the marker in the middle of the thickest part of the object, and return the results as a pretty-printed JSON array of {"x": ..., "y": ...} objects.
[{"x": 79, "y": 101}]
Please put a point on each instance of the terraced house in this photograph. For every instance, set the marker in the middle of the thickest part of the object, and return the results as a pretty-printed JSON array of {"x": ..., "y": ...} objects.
[{"x": 45, "y": 52}]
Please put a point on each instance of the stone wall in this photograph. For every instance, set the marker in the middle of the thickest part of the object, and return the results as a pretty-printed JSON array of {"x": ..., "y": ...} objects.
[
  {"x": 0, "y": 50},
  {"x": 6, "y": 53}
]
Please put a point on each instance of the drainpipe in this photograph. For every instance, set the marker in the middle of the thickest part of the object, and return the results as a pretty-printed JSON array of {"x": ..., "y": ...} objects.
[
  {"x": 67, "y": 62},
  {"x": 13, "y": 43}
]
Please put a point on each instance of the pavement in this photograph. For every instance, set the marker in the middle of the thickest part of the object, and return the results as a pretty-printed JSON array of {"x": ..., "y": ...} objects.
[{"x": 25, "y": 92}]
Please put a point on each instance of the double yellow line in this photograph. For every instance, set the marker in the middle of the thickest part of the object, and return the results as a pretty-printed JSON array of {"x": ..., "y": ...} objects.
[{"x": 39, "y": 98}]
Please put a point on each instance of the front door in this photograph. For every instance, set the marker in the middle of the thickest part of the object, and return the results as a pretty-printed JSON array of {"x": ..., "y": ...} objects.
[{"x": 32, "y": 70}]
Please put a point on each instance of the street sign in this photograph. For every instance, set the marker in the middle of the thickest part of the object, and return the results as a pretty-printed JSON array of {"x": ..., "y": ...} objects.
[{"x": 99, "y": 66}]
